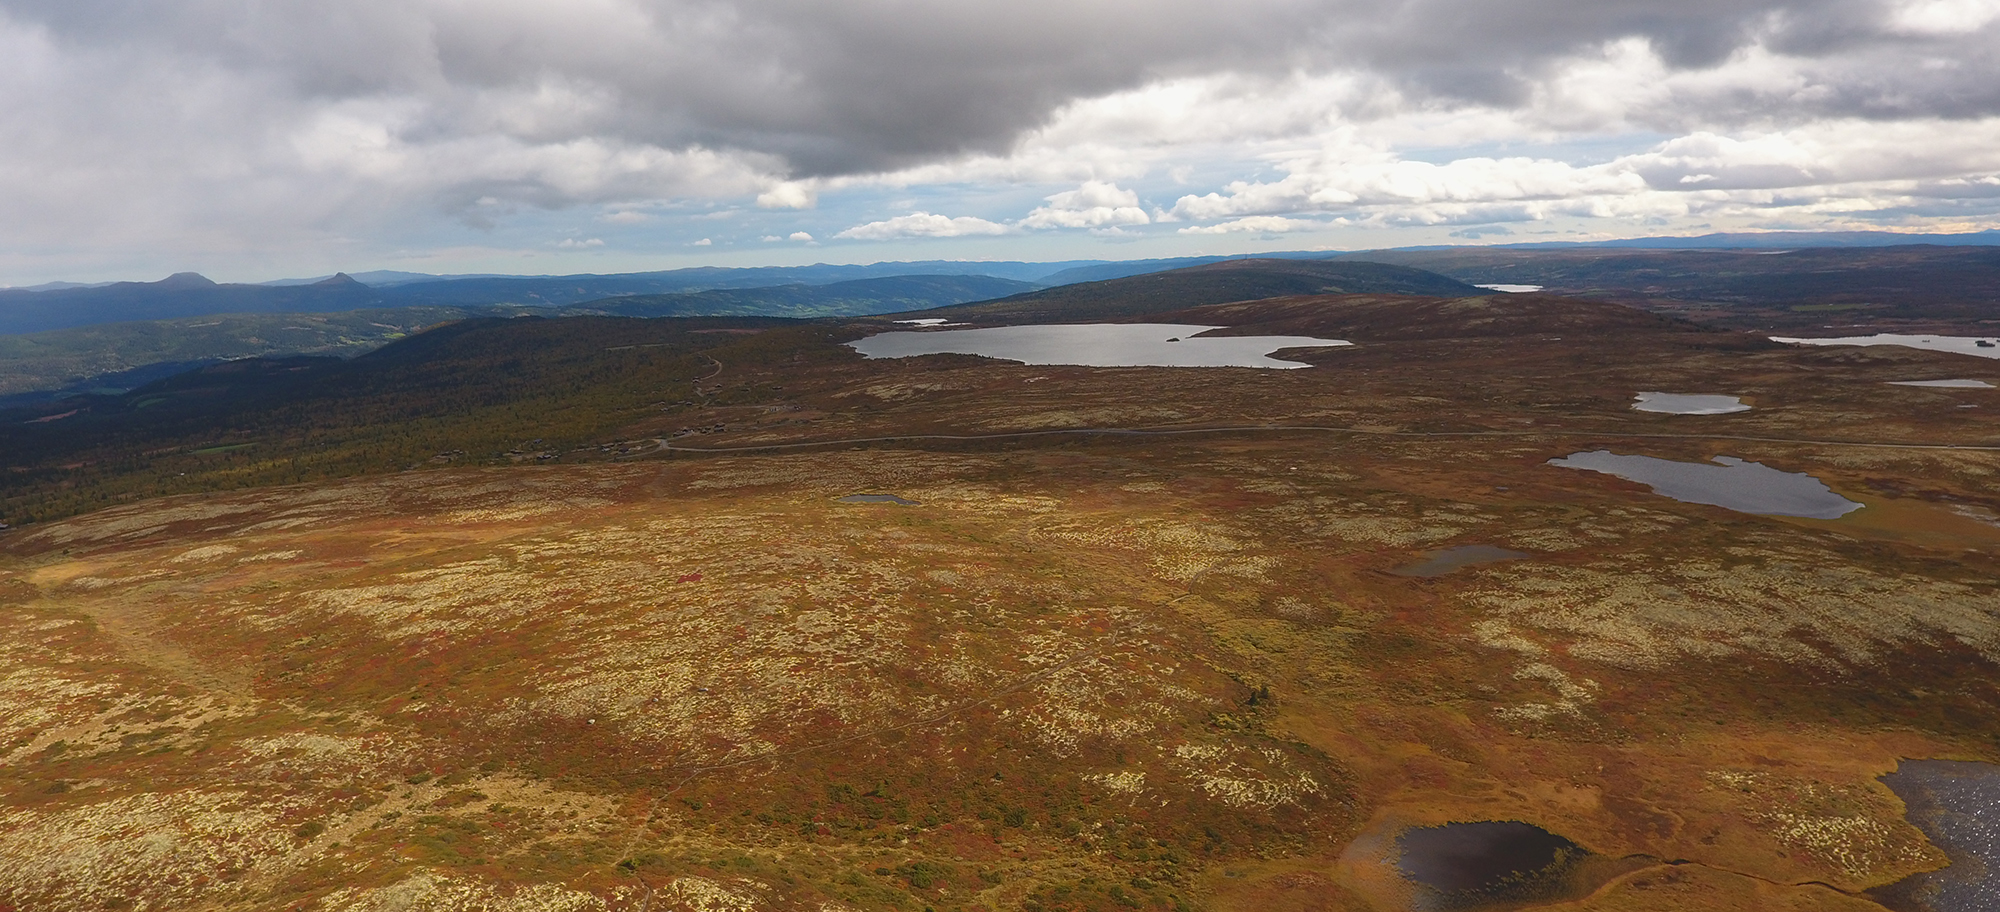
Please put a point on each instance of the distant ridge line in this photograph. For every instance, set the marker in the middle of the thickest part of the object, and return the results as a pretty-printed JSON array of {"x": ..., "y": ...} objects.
[
  {"x": 1772, "y": 240},
  {"x": 1036, "y": 270}
]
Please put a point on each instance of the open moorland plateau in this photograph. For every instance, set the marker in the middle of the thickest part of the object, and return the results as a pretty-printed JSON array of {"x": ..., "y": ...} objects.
[{"x": 621, "y": 636}]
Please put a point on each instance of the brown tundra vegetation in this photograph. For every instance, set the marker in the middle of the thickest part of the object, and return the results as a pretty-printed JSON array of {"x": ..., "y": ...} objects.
[{"x": 1080, "y": 672}]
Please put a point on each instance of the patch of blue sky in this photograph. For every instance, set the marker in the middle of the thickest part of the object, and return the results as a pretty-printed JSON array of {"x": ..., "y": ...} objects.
[{"x": 1580, "y": 151}]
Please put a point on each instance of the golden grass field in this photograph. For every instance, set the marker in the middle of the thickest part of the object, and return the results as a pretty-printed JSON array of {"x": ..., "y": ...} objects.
[{"x": 1082, "y": 672}]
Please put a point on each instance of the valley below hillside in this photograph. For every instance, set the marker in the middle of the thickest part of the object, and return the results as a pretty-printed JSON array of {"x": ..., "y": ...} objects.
[{"x": 718, "y": 615}]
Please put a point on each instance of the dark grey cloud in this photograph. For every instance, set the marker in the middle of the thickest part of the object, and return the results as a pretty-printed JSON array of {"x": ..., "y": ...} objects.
[
  {"x": 868, "y": 85},
  {"x": 834, "y": 87},
  {"x": 254, "y": 125}
]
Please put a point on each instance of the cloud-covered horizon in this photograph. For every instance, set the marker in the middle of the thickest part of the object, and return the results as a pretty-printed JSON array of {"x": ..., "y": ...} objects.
[{"x": 368, "y": 133}]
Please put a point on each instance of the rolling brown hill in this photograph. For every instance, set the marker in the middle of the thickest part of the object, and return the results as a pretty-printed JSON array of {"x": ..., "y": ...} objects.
[
  {"x": 1212, "y": 283},
  {"x": 1768, "y": 289},
  {"x": 1406, "y": 317}
]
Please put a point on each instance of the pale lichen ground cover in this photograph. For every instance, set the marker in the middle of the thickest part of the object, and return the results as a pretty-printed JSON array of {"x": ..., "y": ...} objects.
[{"x": 487, "y": 689}]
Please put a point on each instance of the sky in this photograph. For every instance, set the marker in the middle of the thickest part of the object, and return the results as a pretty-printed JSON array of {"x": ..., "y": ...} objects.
[{"x": 259, "y": 139}]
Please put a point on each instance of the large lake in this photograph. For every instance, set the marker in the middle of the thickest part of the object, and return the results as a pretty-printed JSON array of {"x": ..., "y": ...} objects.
[
  {"x": 1964, "y": 345},
  {"x": 1957, "y": 804},
  {"x": 1688, "y": 404},
  {"x": 1746, "y": 487},
  {"x": 1096, "y": 345}
]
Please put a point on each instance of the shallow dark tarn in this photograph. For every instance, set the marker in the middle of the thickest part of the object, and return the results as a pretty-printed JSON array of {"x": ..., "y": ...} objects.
[
  {"x": 1489, "y": 859},
  {"x": 877, "y": 498},
  {"x": 1439, "y": 563},
  {"x": 1957, "y": 804}
]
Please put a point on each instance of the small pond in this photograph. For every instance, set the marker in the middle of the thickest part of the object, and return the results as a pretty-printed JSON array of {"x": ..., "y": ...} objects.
[
  {"x": 1746, "y": 487},
  {"x": 1510, "y": 289},
  {"x": 1945, "y": 384},
  {"x": 1096, "y": 345},
  {"x": 1484, "y": 861},
  {"x": 1439, "y": 563},
  {"x": 876, "y": 498},
  {"x": 1957, "y": 804},
  {"x": 1688, "y": 404},
  {"x": 1978, "y": 346}
]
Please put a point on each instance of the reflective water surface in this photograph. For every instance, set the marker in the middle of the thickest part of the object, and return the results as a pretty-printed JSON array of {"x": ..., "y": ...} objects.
[
  {"x": 1463, "y": 864},
  {"x": 1979, "y": 346},
  {"x": 1688, "y": 404},
  {"x": 1957, "y": 805},
  {"x": 1746, "y": 487},
  {"x": 1441, "y": 562},
  {"x": 1096, "y": 345}
]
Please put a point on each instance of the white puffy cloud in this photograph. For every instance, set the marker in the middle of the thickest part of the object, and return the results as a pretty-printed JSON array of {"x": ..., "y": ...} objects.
[
  {"x": 1096, "y": 204},
  {"x": 1345, "y": 178},
  {"x": 801, "y": 236},
  {"x": 789, "y": 195},
  {"x": 922, "y": 225},
  {"x": 1850, "y": 166},
  {"x": 1943, "y": 17},
  {"x": 1257, "y": 224}
]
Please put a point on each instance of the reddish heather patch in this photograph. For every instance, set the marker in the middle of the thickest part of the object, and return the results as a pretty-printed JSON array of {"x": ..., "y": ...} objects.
[{"x": 965, "y": 841}]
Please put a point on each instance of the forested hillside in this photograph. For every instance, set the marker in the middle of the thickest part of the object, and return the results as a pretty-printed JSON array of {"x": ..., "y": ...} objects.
[{"x": 483, "y": 390}]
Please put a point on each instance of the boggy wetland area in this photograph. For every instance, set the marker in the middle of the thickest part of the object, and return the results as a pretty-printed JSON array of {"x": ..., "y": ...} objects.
[{"x": 819, "y": 631}]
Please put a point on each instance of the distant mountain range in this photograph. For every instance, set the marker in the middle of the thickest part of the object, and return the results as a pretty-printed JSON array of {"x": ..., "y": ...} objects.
[
  {"x": 183, "y": 329},
  {"x": 58, "y": 305},
  {"x": 859, "y": 297},
  {"x": 69, "y": 338},
  {"x": 111, "y": 357},
  {"x": 184, "y": 294},
  {"x": 188, "y": 294},
  {"x": 699, "y": 278}
]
